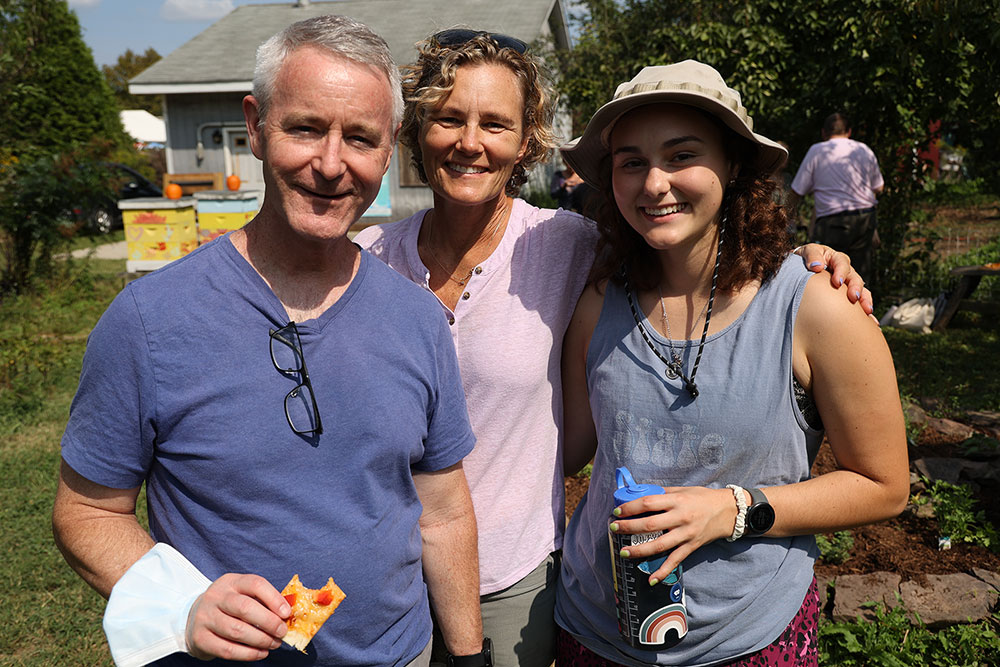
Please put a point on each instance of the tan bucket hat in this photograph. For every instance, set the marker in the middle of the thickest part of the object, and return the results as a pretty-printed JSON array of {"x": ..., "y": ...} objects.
[{"x": 689, "y": 82}]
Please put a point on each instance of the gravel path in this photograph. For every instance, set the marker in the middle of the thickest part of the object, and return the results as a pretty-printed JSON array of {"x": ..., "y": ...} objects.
[{"x": 106, "y": 251}]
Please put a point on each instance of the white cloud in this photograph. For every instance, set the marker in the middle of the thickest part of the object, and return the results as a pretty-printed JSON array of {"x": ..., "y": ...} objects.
[
  {"x": 84, "y": 3},
  {"x": 193, "y": 10}
]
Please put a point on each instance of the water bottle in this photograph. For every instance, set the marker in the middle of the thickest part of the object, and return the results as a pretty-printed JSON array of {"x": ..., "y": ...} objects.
[{"x": 651, "y": 618}]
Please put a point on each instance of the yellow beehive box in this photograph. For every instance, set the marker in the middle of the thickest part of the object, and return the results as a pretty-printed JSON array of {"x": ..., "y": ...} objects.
[
  {"x": 222, "y": 211},
  {"x": 157, "y": 231}
]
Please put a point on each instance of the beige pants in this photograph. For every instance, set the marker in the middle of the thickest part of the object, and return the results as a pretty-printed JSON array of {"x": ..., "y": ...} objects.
[
  {"x": 424, "y": 659},
  {"x": 519, "y": 620}
]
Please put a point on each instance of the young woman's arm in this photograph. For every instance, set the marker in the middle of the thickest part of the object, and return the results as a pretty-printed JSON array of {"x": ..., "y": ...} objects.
[
  {"x": 579, "y": 434},
  {"x": 842, "y": 359}
]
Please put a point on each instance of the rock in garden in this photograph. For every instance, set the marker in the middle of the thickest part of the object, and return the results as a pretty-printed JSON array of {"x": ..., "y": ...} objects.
[
  {"x": 950, "y": 431},
  {"x": 914, "y": 414},
  {"x": 931, "y": 403},
  {"x": 983, "y": 418},
  {"x": 981, "y": 471},
  {"x": 934, "y": 468},
  {"x": 948, "y": 599},
  {"x": 986, "y": 421},
  {"x": 851, "y": 591},
  {"x": 922, "y": 511},
  {"x": 957, "y": 470},
  {"x": 991, "y": 578}
]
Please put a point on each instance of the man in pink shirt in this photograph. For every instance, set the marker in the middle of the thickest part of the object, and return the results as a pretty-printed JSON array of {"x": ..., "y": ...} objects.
[{"x": 844, "y": 178}]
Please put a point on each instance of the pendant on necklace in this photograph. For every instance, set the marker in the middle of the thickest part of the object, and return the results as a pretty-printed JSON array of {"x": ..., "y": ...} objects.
[{"x": 672, "y": 369}]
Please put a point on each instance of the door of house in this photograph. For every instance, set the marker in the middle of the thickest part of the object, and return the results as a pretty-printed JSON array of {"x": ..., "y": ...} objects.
[{"x": 242, "y": 162}]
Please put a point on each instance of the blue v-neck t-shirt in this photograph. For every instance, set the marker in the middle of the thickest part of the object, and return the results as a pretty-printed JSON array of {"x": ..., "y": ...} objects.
[{"x": 178, "y": 390}]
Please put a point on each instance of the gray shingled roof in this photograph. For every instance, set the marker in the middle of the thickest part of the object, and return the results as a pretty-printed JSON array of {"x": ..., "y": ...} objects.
[{"x": 222, "y": 57}]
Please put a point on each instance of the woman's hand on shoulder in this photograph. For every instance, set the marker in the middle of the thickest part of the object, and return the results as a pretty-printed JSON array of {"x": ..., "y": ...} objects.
[
  {"x": 689, "y": 516},
  {"x": 820, "y": 258}
]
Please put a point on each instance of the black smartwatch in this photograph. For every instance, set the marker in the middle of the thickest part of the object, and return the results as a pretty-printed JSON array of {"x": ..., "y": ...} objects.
[
  {"x": 760, "y": 514},
  {"x": 482, "y": 659}
]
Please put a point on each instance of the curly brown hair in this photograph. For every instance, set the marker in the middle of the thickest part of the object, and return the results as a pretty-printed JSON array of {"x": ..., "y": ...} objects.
[
  {"x": 755, "y": 241},
  {"x": 429, "y": 81}
]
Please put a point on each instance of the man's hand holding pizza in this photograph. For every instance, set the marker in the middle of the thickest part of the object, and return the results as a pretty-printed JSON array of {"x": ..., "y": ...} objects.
[{"x": 240, "y": 617}]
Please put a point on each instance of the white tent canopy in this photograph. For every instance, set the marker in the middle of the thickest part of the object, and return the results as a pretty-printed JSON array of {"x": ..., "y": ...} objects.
[{"x": 144, "y": 127}]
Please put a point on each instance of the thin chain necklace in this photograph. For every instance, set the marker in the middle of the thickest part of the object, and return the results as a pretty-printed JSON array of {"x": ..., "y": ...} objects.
[
  {"x": 674, "y": 368},
  {"x": 437, "y": 261},
  {"x": 674, "y": 354}
]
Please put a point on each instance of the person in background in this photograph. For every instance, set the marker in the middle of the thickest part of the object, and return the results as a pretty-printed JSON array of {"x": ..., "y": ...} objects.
[
  {"x": 707, "y": 361},
  {"x": 844, "y": 178},
  {"x": 195, "y": 382},
  {"x": 563, "y": 185},
  {"x": 506, "y": 276}
]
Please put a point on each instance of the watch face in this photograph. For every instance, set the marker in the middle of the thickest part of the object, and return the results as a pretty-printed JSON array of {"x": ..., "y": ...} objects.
[{"x": 760, "y": 518}]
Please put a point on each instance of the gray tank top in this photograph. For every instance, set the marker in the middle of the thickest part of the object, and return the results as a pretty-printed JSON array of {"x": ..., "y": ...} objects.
[{"x": 744, "y": 428}]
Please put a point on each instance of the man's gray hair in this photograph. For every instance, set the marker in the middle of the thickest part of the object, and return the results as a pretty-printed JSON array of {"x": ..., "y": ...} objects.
[{"x": 338, "y": 35}]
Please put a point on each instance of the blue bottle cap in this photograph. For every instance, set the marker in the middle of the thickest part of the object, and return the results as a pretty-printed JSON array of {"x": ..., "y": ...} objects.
[{"x": 629, "y": 490}]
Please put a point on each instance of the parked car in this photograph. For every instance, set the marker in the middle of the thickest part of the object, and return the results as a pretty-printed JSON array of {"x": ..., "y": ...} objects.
[{"x": 127, "y": 184}]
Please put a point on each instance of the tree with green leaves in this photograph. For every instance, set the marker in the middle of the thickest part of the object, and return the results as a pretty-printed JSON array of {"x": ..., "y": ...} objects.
[
  {"x": 54, "y": 96},
  {"x": 129, "y": 65},
  {"x": 893, "y": 66},
  {"x": 57, "y": 119}
]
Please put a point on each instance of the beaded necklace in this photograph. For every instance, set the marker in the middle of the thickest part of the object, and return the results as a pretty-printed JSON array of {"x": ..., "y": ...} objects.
[{"x": 674, "y": 368}]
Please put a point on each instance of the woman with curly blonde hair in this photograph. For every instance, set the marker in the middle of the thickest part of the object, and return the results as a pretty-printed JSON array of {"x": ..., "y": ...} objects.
[{"x": 478, "y": 116}]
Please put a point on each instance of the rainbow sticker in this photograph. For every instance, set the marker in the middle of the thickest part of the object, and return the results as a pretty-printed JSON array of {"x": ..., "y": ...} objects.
[{"x": 671, "y": 618}]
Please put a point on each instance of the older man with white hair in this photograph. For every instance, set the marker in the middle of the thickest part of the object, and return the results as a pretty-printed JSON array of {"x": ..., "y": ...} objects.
[{"x": 195, "y": 383}]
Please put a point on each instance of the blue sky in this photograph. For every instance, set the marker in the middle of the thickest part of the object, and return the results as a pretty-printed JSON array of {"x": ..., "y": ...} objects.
[{"x": 111, "y": 26}]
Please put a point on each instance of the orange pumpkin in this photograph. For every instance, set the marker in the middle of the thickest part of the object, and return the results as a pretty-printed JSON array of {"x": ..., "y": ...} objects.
[
  {"x": 233, "y": 182},
  {"x": 173, "y": 191}
]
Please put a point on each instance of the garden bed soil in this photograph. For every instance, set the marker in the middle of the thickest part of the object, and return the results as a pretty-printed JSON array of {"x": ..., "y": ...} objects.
[{"x": 906, "y": 545}]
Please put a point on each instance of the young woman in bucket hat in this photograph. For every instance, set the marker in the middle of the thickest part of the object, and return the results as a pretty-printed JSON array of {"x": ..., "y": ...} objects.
[{"x": 707, "y": 362}]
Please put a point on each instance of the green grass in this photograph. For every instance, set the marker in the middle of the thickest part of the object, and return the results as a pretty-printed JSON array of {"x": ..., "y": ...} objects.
[
  {"x": 51, "y": 617},
  {"x": 960, "y": 365}
]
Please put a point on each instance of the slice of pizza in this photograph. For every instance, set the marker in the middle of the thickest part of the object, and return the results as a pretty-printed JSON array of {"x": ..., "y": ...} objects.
[{"x": 310, "y": 609}]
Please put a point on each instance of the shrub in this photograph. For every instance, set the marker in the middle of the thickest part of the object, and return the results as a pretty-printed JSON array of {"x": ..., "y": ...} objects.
[
  {"x": 966, "y": 192},
  {"x": 38, "y": 197},
  {"x": 957, "y": 517},
  {"x": 894, "y": 641},
  {"x": 836, "y": 548}
]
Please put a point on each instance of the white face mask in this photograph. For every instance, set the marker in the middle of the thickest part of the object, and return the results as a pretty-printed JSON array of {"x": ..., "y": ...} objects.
[{"x": 147, "y": 612}]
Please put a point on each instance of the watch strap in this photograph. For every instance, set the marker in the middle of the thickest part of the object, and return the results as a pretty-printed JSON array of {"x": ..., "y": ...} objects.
[
  {"x": 756, "y": 497},
  {"x": 760, "y": 515},
  {"x": 482, "y": 659}
]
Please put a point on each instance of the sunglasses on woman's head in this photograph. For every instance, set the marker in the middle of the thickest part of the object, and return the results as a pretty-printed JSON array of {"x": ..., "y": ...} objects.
[{"x": 459, "y": 36}]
